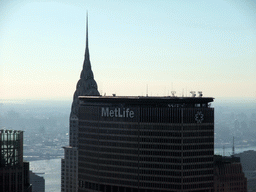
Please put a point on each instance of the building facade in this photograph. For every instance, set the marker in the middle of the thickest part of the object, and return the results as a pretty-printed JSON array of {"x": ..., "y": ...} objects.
[
  {"x": 69, "y": 169},
  {"x": 229, "y": 175},
  {"x": 14, "y": 173},
  {"x": 145, "y": 144}
]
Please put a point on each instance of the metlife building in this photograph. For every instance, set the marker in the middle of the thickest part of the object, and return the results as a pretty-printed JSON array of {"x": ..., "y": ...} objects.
[{"x": 145, "y": 144}]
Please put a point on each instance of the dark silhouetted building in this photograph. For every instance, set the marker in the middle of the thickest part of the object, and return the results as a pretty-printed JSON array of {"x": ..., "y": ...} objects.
[
  {"x": 37, "y": 182},
  {"x": 145, "y": 144},
  {"x": 14, "y": 173},
  {"x": 85, "y": 86},
  {"x": 228, "y": 175}
]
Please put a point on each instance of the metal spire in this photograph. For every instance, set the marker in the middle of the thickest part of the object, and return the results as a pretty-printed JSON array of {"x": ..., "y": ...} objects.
[{"x": 87, "y": 46}]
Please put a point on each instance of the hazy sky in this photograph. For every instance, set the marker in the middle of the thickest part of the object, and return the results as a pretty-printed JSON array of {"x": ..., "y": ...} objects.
[{"x": 180, "y": 45}]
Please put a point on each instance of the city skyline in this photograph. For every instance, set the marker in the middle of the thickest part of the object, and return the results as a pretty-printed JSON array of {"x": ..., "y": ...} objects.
[{"x": 134, "y": 47}]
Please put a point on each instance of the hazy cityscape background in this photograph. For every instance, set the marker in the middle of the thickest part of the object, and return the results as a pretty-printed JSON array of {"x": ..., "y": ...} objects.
[
  {"x": 135, "y": 47},
  {"x": 45, "y": 124}
]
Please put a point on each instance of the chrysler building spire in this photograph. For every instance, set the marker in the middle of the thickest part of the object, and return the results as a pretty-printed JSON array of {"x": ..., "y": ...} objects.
[
  {"x": 87, "y": 56},
  {"x": 86, "y": 86}
]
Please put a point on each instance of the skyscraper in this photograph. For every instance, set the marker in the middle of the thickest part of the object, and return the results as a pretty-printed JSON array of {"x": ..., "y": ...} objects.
[
  {"x": 85, "y": 86},
  {"x": 146, "y": 144},
  {"x": 14, "y": 172},
  {"x": 131, "y": 144}
]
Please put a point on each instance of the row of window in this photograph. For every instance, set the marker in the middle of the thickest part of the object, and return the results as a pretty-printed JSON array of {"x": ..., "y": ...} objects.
[
  {"x": 157, "y": 185},
  {"x": 197, "y": 179},
  {"x": 84, "y": 140},
  {"x": 198, "y": 166},
  {"x": 199, "y": 140},
  {"x": 198, "y": 186},
  {"x": 198, "y": 134},
  {"x": 86, "y": 126},
  {"x": 162, "y": 163},
  {"x": 196, "y": 147},
  {"x": 143, "y": 155},
  {"x": 142, "y": 146},
  {"x": 143, "y": 178},
  {"x": 112, "y": 156},
  {"x": 203, "y": 172},
  {"x": 196, "y": 160},
  {"x": 159, "y": 146},
  {"x": 151, "y": 134},
  {"x": 198, "y": 153},
  {"x": 89, "y": 124},
  {"x": 199, "y": 128}
]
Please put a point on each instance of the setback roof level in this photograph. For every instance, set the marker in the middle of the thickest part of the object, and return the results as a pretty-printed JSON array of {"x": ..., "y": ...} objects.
[{"x": 140, "y": 100}]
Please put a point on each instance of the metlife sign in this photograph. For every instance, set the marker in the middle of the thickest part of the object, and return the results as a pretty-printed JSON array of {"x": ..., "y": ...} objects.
[{"x": 117, "y": 112}]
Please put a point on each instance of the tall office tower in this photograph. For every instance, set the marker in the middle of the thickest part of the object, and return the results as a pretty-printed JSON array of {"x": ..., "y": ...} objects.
[
  {"x": 85, "y": 86},
  {"x": 146, "y": 144},
  {"x": 229, "y": 175},
  {"x": 14, "y": 173}
]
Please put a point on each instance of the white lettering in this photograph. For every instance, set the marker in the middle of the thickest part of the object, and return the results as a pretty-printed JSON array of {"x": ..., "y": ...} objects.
[
  {"x": 131, "y": 114},
  {"x": 106, "y": 112},
  {"x": 119, "y": 113},
  {"x": 127, "y": 112},
  {"x": 111, "y": 113}
]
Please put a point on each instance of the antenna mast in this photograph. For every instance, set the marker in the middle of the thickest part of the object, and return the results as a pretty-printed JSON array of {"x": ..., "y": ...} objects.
[
  {"x": 233, "y": 148},
  {"x": 147, "y": 91}
]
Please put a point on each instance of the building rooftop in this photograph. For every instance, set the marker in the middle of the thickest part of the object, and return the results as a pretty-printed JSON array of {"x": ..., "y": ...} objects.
[{"x": 140, "y": 100}]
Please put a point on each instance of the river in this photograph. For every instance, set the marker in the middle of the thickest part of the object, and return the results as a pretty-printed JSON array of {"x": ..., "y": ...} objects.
[{"x": 52, "y": 168}]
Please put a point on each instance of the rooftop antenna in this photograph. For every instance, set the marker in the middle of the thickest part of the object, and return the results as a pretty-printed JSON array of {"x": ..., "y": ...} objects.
[
  {"x": 223, "y": 150},
  {"x": 233, "y": 148},
  {"x": 193, "y": 93},
  {"x": 173, "y": 93},
  {"x": 147, "y": 91}
]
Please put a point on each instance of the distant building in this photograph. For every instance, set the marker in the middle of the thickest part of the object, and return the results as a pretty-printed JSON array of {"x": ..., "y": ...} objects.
[
  {"x": 37, "y": 182},
  {"x": 14, "y": 173},
  {"x": 85, "y": 86},
  {"x": 228, "y": 175},
  {"x": 145, "y": 144},
  {"x": 69, "y": 169}
]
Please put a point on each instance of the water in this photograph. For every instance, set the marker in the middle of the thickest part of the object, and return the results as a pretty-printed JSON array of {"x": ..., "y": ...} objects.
[
  {"x": 228, "y": 151},
  {"x": 52, "y": 173},
  {"x": 52, "y": 168}
]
